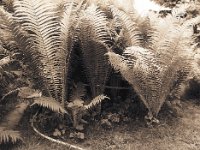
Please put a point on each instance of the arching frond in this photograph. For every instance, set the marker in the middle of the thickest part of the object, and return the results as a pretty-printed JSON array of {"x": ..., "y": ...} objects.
[
  {"x": 146, "y": 30},
  {"x": 117, "y": 61},
  {"x": 6, "y": 34},
  {"x": 129, "y": 26},
  {"x": 94, "y": 43},
  {"x": 9, "y": 136},
  {"x": 68, "y": 37},
  {"x": 14, "y": 116},
  {"x": 140, "y": 68},
  {"x": 49, "y": 103},
  {"x": 150, "y": 77},
  {"x": 20, "y": 37},
  {"x": 172, "y": 78},
  {"x": 172, "y": 37},
  {"x": 97, "y": 100},
  {"x": 39, "y": 19}
]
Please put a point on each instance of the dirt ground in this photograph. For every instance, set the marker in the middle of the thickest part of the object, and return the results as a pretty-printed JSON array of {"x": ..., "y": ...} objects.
[{"x": 173, "y": 133}]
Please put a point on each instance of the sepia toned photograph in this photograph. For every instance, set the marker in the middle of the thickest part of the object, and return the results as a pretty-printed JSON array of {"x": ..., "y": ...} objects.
[{"x": 99, "y": 74}]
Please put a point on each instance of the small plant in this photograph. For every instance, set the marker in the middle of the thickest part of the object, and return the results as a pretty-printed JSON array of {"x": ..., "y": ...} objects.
[{"x": 78, "y": 108}]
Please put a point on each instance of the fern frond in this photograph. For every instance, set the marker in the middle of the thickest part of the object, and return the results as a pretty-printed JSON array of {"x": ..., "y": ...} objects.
[
  {"x": 117, "y": 62},
  {"x": 170, "y": 37},
  {"x": 143, "y": 59},
  {"x": 145, "y": 29},
  {"x": 97, "y": 100},
  {"x": 14, "y": 116},
  {"x": 152, "y": 79},
  {"x": 78, "y": 92},
  {"x": 172, "y": 79},
  {"x": 9, "y": 136},
  {"x": 99, "y": 22},
  {"x": 69, "y": 24},
  {"x": 18, "y": 36},
  {"x": 156, "y": 70},
  {"x": 129, "y": 26},
  {"x": 39, "y": 19},
  {"x": 6, "y": 34},
  {"x": 49, "y": 103},
  {"x": 94, "y": 43},
  {"x": 65, "y": 31},
  {"x": 140, "y": 69}
]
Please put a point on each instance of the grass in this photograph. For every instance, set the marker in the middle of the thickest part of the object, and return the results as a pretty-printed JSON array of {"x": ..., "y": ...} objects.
[{"x": 173, "y": 133}]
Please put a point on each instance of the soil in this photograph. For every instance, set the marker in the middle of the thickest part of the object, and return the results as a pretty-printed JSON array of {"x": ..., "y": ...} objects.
[{"x": 180, "y": 132}]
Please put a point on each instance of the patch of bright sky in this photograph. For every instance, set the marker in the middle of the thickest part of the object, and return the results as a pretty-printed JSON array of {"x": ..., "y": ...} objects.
[{"x": 144, "y": 6}]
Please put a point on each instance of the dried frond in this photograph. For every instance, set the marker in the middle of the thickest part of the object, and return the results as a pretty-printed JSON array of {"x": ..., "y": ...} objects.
[
  {"x": 55, "y": 140},
  {"x": 9, "y": 136},
  {"x": 49, "y": 103},
  {"x": 97, "y": 100}
]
